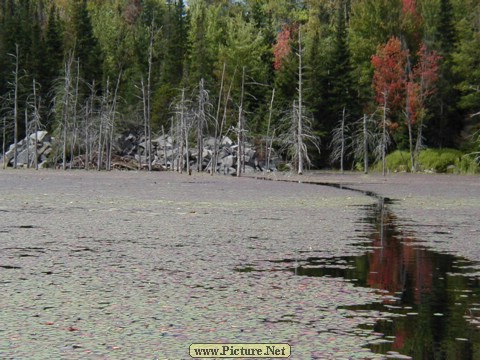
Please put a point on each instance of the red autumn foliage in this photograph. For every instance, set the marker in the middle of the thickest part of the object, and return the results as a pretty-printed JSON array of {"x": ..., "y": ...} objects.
[
  {"x": 282, "y": 47},
  {"x": 426, "y": 70},
  {"x": 389, "y": 76},
  {"x": 413, "y": 106},
  {"x": 409, "y": 7},
  {"x": 421, "y": 83}
]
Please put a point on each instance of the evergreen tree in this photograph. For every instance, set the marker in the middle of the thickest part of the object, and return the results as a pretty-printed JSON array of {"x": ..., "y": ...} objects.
[
  {"x": 53, "y": 45},
  {"x": 200, "y": 60},
  {"x": 85, "y": 44},
  {"x": 466, "y": 61},
  {"x": 340, "y": 81},
  {"x": 174, "y": 33},
  {"x": 447, "y": 119}
]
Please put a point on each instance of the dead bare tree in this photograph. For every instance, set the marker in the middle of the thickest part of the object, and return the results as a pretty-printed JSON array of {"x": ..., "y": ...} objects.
[
  {"x": 36, "y": 121},
  {"x": 365, "y": 144},
  {"x": 15, "y": 86},
  {"x": 213, "y": 161},
  {"x": 225, "y": 109},
  {"x": 366, "y": 138},
  {"x": 201, "y": 117},
  {"x": 298, "y": 127},
  {"x": 300, "y": 145},
  {"x": 88, "y": 115},
  {"x": 65, "y": 91},
  {"x": 4, "y": 139},
  {"x": 164, "y": 147},
  {"x": 181, "y": 127},
  {"x": 147, "y": 97},
  {"x": 74, "y": 122},
  {"x": 104, "y": 124},
  {"x": 295, "y": 143},
  {"x": 241, "y": 128},
  {"x": 268, "y": 140},
  {"x": 27, "y": 138},
  {"x": 146, "y": 122},
  {"x": 339, "y": 144},
  {"x": 112, "y": 116}
]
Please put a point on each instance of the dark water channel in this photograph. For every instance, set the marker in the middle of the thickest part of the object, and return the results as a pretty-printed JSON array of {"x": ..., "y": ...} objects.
[{"x": 434, "y": 298}]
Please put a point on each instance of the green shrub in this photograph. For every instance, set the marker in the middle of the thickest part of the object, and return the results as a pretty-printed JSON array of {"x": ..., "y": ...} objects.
[
  {"x": 467, "y": 165},
  {"x": 438, "y": 160},
  {"x": 397, "y": 161},
  {"x": 432, "y": 160}
]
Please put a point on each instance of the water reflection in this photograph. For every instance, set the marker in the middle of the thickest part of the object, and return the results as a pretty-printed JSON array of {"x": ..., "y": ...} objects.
[{"x": 435, "y": 301}]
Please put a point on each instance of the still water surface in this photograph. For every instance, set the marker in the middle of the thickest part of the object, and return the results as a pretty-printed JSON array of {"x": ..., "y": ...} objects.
[{"x": 434, "y": 298}]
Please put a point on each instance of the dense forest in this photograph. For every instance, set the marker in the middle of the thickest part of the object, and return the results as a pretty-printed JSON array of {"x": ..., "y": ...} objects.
[{"x": 324, "y": 77}]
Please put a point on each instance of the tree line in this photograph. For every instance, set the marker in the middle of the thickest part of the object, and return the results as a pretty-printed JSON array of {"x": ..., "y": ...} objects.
[{"x": 327, "y": 82}]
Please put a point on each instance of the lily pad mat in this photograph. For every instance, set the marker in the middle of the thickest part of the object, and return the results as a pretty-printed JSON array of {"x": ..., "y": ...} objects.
[{"x": 126, "y": 265}]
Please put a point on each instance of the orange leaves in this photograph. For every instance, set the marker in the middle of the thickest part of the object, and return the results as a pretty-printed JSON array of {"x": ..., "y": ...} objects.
[
  {"x": 389, "y": 75},
  {"x": 421, "y": 82},
  {"x": 282, "y": 48},
  {"x": 409, "y": 7},
  {"x": 396, "y": 86}
]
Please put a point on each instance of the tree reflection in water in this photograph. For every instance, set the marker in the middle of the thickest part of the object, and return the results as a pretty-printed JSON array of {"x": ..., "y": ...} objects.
[{"x": 435, "y": 300}]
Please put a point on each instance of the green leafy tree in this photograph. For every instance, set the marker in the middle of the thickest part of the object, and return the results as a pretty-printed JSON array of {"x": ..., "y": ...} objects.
[{"x": 372, "y": 23}]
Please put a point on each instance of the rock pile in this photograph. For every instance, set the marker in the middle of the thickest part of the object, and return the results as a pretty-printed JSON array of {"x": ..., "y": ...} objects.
[
  {"x": 130, "y": 152},
  {"x": 166, "y": 154},
  {"x": 27, "y": 151}
]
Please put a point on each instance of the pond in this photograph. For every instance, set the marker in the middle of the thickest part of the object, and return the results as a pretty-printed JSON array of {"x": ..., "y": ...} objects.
[{"x": 433, "y": 298}]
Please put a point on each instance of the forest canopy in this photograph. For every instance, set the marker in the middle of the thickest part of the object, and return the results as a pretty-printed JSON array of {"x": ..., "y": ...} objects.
[{"x": 412, "y": 67}]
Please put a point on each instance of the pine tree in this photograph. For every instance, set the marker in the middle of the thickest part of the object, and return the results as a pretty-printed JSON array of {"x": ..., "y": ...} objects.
[
  {"x": 174, "y": 32},
  {"x": 200, "y": 62},
  {"x": 446, "y": 122},
  {"x": 340, "y": 82},
  {"x": 85, "y": 46},
  {"x": 53, "y": 48}
]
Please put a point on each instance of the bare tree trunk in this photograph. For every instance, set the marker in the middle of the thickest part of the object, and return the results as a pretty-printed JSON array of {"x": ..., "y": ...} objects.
[
  {"x": 74, "y": 125},
  {"x": 300, "y": 105},
  {"x": 268, "y": 142},
  {"x": 27, "y": 138},
  {"x": 147, "y": 94},
  {"x": 240, "y": 134},
  {"x": 225, "y": 108},
  {"x": 164, "y": 148},
  {"x": 213, "y": 162},
  {"x": 384, "y": 134},
  {"x": 36, "y": 119},
  {"x": 410, "y": 144},
  {"x": 342, "y": 154},
  {"x": 201, "y": 119},
  {"x": 418, "y": 145},
  {"x": 187, "y": 154},
  {"x": 270, "y": 150},
  {"x": 365, "y": 144},
  {"x": 112, "y": 117},
  {"x": 88, "y": 122},
  {"x": 408, "y": 117},
  {"x": 15, "y": 109},
  {"x": 104, "y": 120},
  {"x": 3, "y": 143},
  {"x": 182, "y": 132},
  {"x": 145, "y": 122},
  {"x": 66, "y": 108},
  {"x": 177, "y": 146}
]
